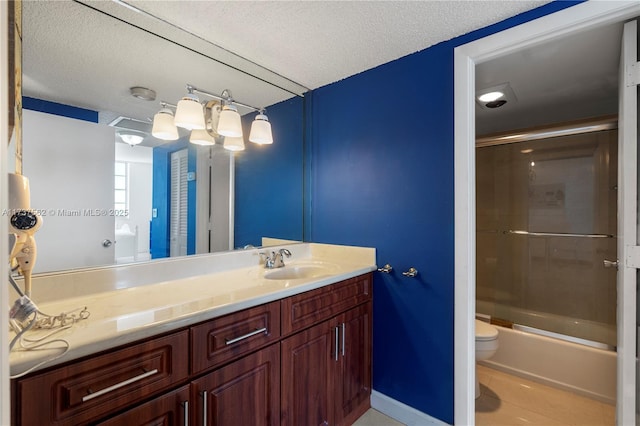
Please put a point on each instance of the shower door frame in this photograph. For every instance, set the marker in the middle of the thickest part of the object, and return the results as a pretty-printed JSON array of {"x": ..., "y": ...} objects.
[{"x": 560, "y": 24}]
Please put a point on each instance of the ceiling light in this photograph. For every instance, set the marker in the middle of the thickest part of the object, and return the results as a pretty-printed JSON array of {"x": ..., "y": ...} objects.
[
  {"x": 229, "y": 123},
  {"x": 495, "y": 96},
  {"x": 143, "y": 93},
  {"x": 261, "y": 130},
  {"x": 234, "y": 144},
  {"x": 189, "y": 112},
  {"x": 201, "y": 137},
  {"x": 164, "y": 126},
  {"x": 490, "y": 97},
  {"x": 131, "y": 138}
]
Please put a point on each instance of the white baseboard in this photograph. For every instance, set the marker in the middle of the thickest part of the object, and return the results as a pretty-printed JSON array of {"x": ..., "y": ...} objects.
[{"x": 401, "y": 412}]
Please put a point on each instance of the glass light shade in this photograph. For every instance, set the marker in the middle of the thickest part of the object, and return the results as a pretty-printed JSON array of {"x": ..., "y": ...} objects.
[
  {"x": 261, "y": 130},
  {"x": 131, "y": 139},
  {"x": 233, "y": 144},
  {"x": 229, "y": 123},
  {"x": 189, "y": 113},
  {"x": 490, "y": 97},
  {"x": 163, "y": 126},
  {"x": 201, "y": 137}
]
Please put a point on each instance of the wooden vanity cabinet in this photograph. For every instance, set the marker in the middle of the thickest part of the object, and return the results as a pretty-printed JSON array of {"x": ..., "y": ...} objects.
[
  {"x": 326, "y": 371},
  {"x": 301, "y": 360}
]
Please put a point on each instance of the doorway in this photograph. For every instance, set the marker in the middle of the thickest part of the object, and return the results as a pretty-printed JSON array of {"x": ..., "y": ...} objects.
[{"x": 553, "y": 27}]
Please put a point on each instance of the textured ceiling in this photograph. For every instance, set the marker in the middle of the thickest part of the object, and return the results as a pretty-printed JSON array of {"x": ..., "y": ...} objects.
[
  {"x": 319, "y": 42},
  {"x": 81, "y": 55}
]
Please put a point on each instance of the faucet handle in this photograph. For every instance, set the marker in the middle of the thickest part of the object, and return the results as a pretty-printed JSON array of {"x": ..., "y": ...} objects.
[{"x": 285, "y": 252}]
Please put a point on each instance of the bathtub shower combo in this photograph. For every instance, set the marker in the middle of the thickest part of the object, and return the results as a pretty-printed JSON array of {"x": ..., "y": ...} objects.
[{"x": 546, "y": 251}]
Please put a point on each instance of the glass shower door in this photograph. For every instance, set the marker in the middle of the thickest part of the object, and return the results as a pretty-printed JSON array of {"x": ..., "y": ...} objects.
[{"x": 546, "y": 224}]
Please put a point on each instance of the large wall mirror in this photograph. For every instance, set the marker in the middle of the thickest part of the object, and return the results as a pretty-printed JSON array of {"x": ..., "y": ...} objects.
[{"x": 104, "y": 201}]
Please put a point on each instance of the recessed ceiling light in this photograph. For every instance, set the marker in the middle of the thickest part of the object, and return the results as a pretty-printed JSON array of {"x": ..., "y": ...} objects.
[
  {"x": 527, "y": 151},
  {"x": 490, "y": 97}
]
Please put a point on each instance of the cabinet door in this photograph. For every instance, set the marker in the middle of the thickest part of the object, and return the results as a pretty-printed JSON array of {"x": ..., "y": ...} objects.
[
  {"x": 353, "y": 382},
  {"x": 245, "y": 392},
  {"x": 309, "y": 361},
  {"x": 169, "y": 409}
]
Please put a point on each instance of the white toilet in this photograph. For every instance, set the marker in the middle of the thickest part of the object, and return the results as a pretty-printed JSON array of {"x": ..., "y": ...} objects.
[{"x": 486, "y": 345}]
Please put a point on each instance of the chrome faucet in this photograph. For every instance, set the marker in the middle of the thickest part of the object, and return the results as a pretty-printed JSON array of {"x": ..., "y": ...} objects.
[{"x": 276, "y": 259}]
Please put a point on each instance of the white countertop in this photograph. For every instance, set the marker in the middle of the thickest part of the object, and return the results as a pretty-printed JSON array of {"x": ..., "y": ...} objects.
[{"x": 129, "y": 303}]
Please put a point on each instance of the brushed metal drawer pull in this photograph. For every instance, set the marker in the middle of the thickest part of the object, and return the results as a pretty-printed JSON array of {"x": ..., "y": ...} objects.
[
  {"x": 337, "y": 330},
  {"x": 186, "y": 413},
  {"x": 119, "y": 385},
  {"x": 246, "y": 336},
  {"x": 204, "y": 408}
]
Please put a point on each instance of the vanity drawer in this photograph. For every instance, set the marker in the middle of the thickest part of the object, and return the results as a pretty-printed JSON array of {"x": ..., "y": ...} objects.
[
  {"x": 86, "y": 390},
  {"x": 305, "y": 309},
  {"x": 233, "y": 335}
]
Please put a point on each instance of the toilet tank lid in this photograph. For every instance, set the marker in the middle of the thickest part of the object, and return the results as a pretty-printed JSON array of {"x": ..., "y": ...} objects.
[{"x": 485, "y": 331}]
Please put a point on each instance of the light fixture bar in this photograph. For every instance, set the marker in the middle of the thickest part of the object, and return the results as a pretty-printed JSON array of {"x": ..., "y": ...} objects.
[
  {"x": 222, "y": 98},
  {"x": 164, "y": 104}
]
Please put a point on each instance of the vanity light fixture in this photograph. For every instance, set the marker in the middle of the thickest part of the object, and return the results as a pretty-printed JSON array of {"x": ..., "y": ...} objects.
[
  {"x": 222, "y": 121},
  {"x": 164, "y": 126},
  {"x": 189, "y": 112},
  {"x": 261, "y": 130}
]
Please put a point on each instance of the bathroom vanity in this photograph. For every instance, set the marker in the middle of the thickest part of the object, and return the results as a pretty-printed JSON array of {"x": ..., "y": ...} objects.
[{"x": 296, "y": 349}]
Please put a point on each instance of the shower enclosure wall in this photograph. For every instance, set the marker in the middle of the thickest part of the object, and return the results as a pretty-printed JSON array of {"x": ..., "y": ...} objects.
[{"x": 546, "y": 228}]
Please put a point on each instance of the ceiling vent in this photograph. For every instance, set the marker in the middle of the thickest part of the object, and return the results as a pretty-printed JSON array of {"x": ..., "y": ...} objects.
[{"x": 128, "y": 123}]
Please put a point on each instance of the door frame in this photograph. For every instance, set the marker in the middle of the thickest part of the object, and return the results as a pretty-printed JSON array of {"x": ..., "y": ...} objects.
[{"x": 580, "y": 17}]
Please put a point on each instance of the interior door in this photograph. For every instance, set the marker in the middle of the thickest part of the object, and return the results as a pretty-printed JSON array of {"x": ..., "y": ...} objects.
[
  {"x": 70, "y": 166},
  {"x": 628, "y": 249}
]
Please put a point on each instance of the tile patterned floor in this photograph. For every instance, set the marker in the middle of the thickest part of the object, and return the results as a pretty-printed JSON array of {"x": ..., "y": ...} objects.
[{"x": 510, "y": 400}]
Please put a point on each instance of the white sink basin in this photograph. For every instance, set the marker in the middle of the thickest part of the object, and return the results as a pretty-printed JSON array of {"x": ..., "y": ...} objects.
[{"x": 296, "y": 272}]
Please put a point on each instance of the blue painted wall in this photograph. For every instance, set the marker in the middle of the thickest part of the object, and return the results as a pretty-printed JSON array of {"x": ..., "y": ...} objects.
[
  {"x": 380, "y": 173},
  {"x": 161, "y": 198},
  {"x": 56, "y": 108},
  {"x": 269, "y": 179}
]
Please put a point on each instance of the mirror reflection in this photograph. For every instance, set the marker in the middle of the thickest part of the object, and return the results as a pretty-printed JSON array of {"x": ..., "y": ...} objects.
[{"x": 109, "y": 192}]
